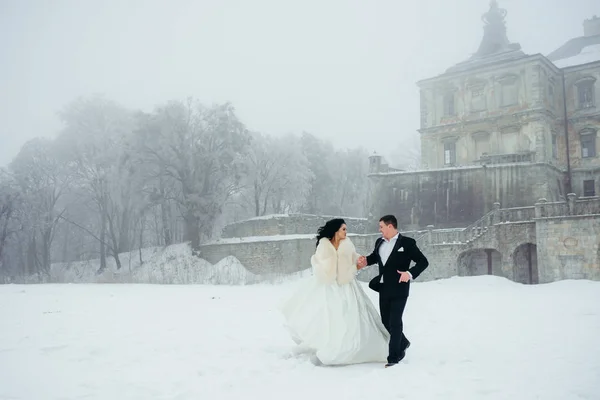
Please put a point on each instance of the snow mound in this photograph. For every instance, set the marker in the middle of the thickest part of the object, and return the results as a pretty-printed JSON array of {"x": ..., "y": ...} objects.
[{"x": 175, "y": 264}]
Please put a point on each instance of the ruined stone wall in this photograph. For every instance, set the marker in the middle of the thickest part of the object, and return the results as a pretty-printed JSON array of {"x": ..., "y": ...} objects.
[
  {"x": 568, "y": 248},
  {"x": 291, "y": 224},
  {"x": 284, "y": 255},
  {"x": 264, "y": 256},
  {"x": 504, "y": 239},
  {"x": 456, "y": 197},
  {"x": 583, "y": 119},
  {"x": 549, "y": 242},
  {"x": 497, "y": 109}
]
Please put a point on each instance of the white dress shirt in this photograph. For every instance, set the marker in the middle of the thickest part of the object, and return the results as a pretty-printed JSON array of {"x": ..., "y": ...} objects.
[{"x": 385, "y": 250}]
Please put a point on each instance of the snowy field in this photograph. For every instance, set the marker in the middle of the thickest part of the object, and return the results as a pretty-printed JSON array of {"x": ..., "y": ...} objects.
[{"x": 472, "y": 338}]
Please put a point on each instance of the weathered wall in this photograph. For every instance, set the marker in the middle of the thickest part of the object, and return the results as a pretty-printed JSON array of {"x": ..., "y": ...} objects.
[
  {"x": 579, "y": 175},
  {"x": 568, "y": 248},
  {"x": 291, "y": 255},
  {"x": 290, "y": 225},
  {"x": 506, "y": 239},
  {"x": 514, "y": 99},
  {"x": 285, "y": 255},
  {"x": 582, "y": 119},
  {"x": 545, "y": 243},
  {"x": 456, "y": 197},
  {"x": 264, "y": 257},
  {"x": 489, "y": 78}
]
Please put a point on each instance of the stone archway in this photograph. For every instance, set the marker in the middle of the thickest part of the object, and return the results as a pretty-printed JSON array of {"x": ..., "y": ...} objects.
[
  {"x": 480, "y": 262},
  {"x": 525, "y": 265}
]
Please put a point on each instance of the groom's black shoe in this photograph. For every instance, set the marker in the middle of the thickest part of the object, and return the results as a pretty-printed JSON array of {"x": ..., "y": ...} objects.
[{"x": 402, "y": 355}]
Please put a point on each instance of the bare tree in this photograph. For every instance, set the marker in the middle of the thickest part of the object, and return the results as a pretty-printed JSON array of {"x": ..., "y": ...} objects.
[
  {"x": 95, "y": 145},
  {"x": 350, "y": 186},
  {"x": 406, "y": 156},
  {"x": 277, "y": 176},
  {"x": 9, "y": 198},
  {"x": 200, "y": 149},
  {"x": 320, "y": 155},
  {"x": 42, "y": 181}
]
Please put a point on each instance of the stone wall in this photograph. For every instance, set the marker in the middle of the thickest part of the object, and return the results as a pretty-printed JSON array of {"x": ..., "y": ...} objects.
[
  {"x": 543, "y": 243},
  {"x": 291, "y": 224},
  {"x": 283, "y": 255},
  {"x": 584, "y": 119},
  {"x": 514, "y": 113},
  {"x": 569, "y": 248},
  {"x": 264, "y": 256},
  {"x": 456, "y": 197},
  {"x": 580, "y": 175},
  {"x": 504, "y": 240}
]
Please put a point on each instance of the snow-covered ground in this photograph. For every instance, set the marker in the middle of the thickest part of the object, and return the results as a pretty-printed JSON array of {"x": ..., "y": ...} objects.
[{"x": 472, "y": 338}]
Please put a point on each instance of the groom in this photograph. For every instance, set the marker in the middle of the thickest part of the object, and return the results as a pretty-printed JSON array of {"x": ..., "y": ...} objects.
[{"x": 393, "y": 253}]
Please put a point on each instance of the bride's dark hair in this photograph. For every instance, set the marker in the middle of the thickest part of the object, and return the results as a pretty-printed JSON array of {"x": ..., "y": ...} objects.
[{"x": 329, "y": 229}]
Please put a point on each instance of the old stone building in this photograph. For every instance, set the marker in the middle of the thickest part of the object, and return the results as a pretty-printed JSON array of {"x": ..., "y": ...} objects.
[{"x": 502, "y": 126}]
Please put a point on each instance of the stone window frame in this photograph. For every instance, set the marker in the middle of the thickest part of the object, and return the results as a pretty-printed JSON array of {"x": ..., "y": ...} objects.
[
  {"x": 587, "y": 82},
  {"x": 554, "y": 144},
  {"x": 512, "y": 128},
  {"x": 475, "y": 86},
  {"x": 506, "y": 80},
  {"x": 588, "y": 136},
  {"x": 449, "y": 94},
  {"x": 551, "y": 92},
  {"x": 449, "y": 159},
  {"x": 586, "y": 190},
  {"x": 481, "y": 135}
]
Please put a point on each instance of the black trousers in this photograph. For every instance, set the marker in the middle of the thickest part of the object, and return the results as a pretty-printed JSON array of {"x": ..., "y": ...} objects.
[{"x": 391, "y": 309}]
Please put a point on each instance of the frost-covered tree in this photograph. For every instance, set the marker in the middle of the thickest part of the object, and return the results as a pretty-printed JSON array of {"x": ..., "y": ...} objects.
[
  {"x": 42, "y": 181},
  {"x": 9, "y": 203},
  {"x": 350, "y": 184},
  {"x": 406, "y": 156},
  {"x": 278, "y": 174},
  {"x": 201, "y": 150},
  {"x": 321, "y": 160},
  {"x": 338, "y": 178},
  {"x": 96, "y": 147}
]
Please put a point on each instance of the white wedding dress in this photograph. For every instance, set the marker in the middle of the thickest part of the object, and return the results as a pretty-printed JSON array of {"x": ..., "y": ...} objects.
[{"x": 331, "y": 315}]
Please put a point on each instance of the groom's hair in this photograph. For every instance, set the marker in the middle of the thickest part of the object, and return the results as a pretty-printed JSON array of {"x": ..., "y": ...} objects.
[{"x": 390, "y": 219}]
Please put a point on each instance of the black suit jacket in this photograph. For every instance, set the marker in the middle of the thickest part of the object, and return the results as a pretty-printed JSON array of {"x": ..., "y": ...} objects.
[{"x": 404, "y": 251}]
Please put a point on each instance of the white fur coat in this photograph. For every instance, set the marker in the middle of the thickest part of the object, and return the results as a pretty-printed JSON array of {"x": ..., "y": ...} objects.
[{"x": 331, "y": 265}]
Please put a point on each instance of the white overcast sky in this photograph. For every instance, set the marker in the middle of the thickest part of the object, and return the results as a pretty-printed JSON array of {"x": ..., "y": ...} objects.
[{"x": 345, "y": 70}]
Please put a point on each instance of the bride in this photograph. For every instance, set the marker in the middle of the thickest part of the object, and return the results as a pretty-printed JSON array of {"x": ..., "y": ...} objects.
[{"x": 331, "y": 314}]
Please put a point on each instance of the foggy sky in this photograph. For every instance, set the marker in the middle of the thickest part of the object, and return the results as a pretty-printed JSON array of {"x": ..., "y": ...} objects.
[{"x": 345, "y": 70}]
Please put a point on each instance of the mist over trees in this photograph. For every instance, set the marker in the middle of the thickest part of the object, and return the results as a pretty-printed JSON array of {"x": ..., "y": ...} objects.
[{"x": 115, "y": 180}]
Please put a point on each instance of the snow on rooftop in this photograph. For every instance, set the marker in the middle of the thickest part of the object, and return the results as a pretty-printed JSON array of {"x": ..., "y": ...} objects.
[
  {"x": 587, "y": 55},
  {"x": 269, "y": 216},
  {"x": 279, "y": 216},
  {"x": 250, "y": 239}
]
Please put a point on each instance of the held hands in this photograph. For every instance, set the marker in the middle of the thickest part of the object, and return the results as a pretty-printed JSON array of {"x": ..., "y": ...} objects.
[
  {"x": 362, "y": 262},
  {"x": 404, "y": 276}
]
